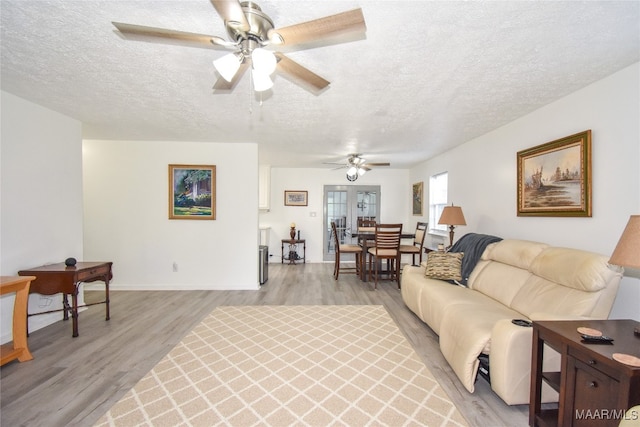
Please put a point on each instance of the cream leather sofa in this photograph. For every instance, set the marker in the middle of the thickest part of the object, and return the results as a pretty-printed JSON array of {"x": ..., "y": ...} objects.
[{"x": 513, "y": 279}]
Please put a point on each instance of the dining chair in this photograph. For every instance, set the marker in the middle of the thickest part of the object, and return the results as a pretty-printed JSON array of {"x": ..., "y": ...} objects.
[
  {"x": 418, "y": 243},
  {"x": 366, "y": 226},
  {"x": 387, "y": 246},
  {"x": 347, "y": 249}
]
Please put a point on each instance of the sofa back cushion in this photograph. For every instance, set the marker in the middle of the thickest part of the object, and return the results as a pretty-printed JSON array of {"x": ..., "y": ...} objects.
[
  {"x": 504, "y": 269},
  {"x": 532, "y": 277},
  {"x": 573, "y": 268},
  {"x": 497, "y": 280},
  {"x": 569, "y": 282},
  {"x": 518, "y": 253}
]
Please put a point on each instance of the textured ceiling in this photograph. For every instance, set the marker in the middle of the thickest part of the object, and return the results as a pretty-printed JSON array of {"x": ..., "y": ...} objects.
[{"x": 428, "y": 75}]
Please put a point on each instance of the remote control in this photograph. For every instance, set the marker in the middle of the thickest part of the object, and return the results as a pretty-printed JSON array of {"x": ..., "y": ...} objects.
[
  {"x": 521, "y": 322},
  {"x": 590, "y": 339}
]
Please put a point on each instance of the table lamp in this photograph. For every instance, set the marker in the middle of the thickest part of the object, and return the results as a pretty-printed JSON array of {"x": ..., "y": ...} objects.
[
  {"x": 452, "y": 216},
  {"x": 627, "y": 252}
]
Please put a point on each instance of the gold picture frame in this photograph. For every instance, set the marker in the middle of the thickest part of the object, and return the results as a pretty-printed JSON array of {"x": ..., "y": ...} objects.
[
  {"x": 192, "y": 192},
  {"x": 295, "y": 198},
  {"x": 554, "y": 179},
  {"x": 417, "y": 197}
]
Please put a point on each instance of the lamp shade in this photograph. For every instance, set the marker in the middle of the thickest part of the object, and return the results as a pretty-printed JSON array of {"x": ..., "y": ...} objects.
[
  {"x": 261, "y": 81},
  {"x": 263, "y": 60},
  {"x": 228, "y": 65},
  {"x": 452, "y": 215},
  {"x": 627, "y": 252}
]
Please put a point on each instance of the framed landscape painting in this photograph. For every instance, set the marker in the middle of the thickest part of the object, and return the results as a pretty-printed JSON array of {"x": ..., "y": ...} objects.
[
  {"x": 295, "y": 198},
  {"x": 554, "y": 179},
  {"x": 192, "y": 192},
  {"x": 418, "y": 189}
]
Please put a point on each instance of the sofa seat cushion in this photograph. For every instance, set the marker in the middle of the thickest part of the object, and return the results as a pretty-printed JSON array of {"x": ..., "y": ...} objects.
[
  {"x": 428, "y": 298},
  {"x": 466, "y": 332}
]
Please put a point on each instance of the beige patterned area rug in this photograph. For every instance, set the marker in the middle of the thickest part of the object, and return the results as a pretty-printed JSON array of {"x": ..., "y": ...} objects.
[{"x": 289, "y": 365}]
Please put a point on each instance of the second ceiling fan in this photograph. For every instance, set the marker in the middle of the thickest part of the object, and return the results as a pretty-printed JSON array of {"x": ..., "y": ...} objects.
[
  {"x": 357, "y": 166},
  {"x": 254, "y": 41}
]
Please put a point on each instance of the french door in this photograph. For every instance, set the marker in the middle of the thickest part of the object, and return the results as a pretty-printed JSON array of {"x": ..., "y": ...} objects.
[{"x": 344, "y": 204}]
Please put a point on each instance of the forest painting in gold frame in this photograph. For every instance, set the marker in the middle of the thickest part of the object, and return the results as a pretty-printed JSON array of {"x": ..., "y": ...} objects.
[
  {"x": 192, "y": 192},
  {"x": 554, "y": 179}
]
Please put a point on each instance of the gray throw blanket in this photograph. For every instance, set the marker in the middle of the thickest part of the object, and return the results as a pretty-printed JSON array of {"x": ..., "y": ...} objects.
[{"x": 473, "y": 245}]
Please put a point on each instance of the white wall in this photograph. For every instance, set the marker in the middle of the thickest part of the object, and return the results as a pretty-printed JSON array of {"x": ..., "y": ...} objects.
[
  {"x": 482, "y": 173},
  {"x": 126, "y": 216},
  {"x": 395, "y": 191},
  {"x": 41, "y": 190}
]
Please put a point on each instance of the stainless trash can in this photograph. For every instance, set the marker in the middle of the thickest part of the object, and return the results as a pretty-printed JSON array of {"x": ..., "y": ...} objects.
[{"x": 263, "y": 263}]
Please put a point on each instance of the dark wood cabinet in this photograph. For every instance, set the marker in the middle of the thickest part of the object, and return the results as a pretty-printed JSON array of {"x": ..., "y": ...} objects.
[{"x": 594, "y": 389}]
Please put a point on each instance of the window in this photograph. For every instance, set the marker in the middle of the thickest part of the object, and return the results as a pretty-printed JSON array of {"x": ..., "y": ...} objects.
[{"x": 438, "y": 194}]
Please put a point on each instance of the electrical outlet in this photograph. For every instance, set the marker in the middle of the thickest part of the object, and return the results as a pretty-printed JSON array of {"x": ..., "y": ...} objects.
[
  {"x": 44, "y": 301},
  {"x": 175, "y": 267}
]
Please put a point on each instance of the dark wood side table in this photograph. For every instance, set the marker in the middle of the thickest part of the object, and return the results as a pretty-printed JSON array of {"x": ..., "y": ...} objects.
[
  {"x": 595, "y": 389},
  {"x": 294, "y": 253},
  {"x": 58, "y": 278},
  {"x": 18, "y": 349}
]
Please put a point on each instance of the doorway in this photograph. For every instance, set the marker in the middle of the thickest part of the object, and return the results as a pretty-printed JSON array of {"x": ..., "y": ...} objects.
[{"x": 344, "y": 204}]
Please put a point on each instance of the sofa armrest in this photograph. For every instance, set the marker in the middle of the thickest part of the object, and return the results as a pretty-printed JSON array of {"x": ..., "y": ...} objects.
[{"x": 510, "y": 363}]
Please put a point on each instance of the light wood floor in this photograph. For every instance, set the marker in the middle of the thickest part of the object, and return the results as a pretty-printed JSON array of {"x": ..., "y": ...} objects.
[{"x": 74, "y": 381}]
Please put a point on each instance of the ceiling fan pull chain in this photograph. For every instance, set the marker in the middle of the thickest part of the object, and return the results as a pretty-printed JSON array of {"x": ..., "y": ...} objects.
[{"x": 250, "y": 93}]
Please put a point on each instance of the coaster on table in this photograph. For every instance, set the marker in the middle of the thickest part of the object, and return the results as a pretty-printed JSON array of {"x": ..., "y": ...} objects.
[
  {"x": 589, "y": 331},
  {"x": 627, "y": 359}
]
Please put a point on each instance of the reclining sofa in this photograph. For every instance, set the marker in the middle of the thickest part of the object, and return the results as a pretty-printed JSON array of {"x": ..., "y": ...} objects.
[{"x": 512, "y": 279}]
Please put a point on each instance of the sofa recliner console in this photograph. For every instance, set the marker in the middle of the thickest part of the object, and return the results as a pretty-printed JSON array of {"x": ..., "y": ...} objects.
[{"x": 514, "y": 279}]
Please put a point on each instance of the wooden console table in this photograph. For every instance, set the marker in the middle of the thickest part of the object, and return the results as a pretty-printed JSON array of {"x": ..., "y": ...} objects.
[
  {"x": 594, "y": 388},
  {"x": 19, "y": 349},
  {"x": 295, "y": 243},
  {"x": 58, "y": 278}
]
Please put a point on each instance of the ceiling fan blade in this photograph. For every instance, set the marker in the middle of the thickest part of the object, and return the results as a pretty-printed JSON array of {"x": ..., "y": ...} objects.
[
  {"x": 222, "y": 85},
  {"x": 300, "y": 75},
  {"x": 232, "y": 14},
  {"x": 379, "y": 164},
  {"x": 329, "y": 26},
  {"x": 161, "y": 35}
]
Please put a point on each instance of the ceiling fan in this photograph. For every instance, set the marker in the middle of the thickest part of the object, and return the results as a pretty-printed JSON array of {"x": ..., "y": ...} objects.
[
  {"x": 356, "y": 166},
  {"x": 254, "y": 41}
]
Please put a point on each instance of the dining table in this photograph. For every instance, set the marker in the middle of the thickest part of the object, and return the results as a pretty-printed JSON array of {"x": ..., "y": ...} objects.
[{"x": 364, "y": 237}]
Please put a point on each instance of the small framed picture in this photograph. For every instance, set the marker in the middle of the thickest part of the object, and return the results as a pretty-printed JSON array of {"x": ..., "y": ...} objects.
[
  {"x": 192, "y": 192},
  {"x": 554, "y": 179},
  {"x": 295, "y": 198},
  {"x": 418, "y": 189}
]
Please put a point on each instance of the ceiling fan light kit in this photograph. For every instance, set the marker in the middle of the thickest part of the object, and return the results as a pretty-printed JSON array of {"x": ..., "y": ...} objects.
[
  {"x": 251, "y": 31},
  {"x": 261, "y": 81},
  {"x": 356, "y": 166},
  {"x": 228, "y": 65}
]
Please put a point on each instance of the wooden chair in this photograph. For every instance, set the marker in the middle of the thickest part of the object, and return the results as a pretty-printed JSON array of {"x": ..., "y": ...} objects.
[
  {"x": 347, "y": 249},
  {"x": 387, "y": 246},
  {"x": 366, "y": 225},
  {"x": 418, "y": 243}
]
